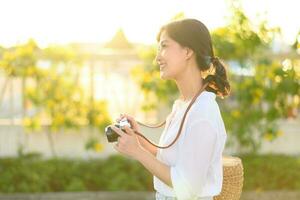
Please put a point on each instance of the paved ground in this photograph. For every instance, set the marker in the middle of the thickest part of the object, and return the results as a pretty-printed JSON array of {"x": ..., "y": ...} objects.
[{"x": 270, "y": 195}]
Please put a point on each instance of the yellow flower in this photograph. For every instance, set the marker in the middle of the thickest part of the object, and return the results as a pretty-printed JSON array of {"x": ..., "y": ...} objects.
[
  {"x": 98, "y": 147},
  {"x": 268, "y": 136},
  {"x": 57, "y": 95},
  {"x": 256, "y": 100},
  {"x": 99, "y": 119},
  {"x": 27, "y": 121},
  {"x": 59, "y": 118},
  {"x": 50, "y": 103},
  {"x": 278, "y": 79},
  {"x": 30, "y": 71},
  {"x": 156, "y": 74},
  {"x": 236, "y": 113},
  {"x": 147, "y": 77},
  {"x": 279, "y": 133}
]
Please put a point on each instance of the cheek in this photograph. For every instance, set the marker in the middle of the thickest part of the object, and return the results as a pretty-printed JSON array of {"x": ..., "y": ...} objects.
[{"x": 177, "y": 63}]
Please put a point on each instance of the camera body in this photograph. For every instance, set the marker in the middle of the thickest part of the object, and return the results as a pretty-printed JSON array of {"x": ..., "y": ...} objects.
[{"x": 111, "y": 135}]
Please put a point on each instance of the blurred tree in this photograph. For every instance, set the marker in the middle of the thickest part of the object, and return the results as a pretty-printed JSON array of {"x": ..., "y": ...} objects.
[
  {"x": 19, "y": 61},
  {"x": 260, "y": 99},
  {"x": 61, "y": 99},
  {"x": 54, "y": 94}
]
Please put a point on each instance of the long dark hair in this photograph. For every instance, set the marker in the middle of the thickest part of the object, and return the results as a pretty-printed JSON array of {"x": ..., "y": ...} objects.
[{"x": 193, "y": 34}]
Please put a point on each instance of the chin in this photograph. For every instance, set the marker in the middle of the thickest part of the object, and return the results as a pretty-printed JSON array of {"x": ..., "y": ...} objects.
[{"x": 164, "y": 76}]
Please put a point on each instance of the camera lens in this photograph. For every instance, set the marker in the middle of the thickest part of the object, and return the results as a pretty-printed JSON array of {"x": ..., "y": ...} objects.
[{"x": 111, "y": 135}]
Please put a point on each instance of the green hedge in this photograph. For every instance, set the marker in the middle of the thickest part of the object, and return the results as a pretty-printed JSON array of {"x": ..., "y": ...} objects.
[
  {"x": 34, "y": 174},
  {"x": 271, "y": 172}
]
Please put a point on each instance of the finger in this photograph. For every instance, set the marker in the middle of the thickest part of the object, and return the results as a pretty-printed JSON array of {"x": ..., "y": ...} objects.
[
  {"x": 116, "y": 147},
  {"x": 128, "y": 130},
  {"x": 118, "y": 131},
  {"x": 128, "y": 117},
  {"x": 130, "y": 120},
  {"x": 118, "y": 119}
]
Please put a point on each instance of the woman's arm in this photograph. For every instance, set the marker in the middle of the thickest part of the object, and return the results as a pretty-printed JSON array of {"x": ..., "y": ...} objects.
[
  {"x": 149, "y": 147},
  {"x": 156, "y": 167}
]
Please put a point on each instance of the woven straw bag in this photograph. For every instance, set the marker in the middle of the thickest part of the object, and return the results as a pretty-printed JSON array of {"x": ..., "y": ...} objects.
[{"x": 233, "y": 178}]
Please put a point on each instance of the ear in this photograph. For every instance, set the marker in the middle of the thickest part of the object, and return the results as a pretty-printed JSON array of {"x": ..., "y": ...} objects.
[{"x": 189, "y": 53}]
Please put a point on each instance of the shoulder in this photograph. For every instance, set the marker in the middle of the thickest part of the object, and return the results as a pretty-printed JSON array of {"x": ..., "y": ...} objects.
[
  {"x": 205, "y": 110},
  {"x": 205, "y": 107}
]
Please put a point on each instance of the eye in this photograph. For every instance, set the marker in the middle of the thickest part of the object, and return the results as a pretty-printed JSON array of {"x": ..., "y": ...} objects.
[{"x": 161, "y": 46}]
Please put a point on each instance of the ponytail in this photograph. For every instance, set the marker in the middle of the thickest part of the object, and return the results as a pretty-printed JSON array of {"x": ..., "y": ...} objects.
[{"x": 217, "y": 77}]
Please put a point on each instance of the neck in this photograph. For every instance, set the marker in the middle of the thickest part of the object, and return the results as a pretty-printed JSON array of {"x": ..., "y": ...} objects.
[{"x": 189, "y": 83}]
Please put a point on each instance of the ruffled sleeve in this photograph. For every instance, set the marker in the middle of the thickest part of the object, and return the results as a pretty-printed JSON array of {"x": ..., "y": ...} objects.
[{"x": 196, "y": 150}]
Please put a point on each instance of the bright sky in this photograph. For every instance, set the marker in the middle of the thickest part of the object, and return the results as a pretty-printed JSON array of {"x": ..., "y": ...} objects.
[{"x": 63, "y": 21}]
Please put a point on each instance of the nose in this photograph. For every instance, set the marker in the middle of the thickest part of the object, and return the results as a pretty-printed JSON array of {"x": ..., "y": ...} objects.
[{"x": 157, "y": 58}]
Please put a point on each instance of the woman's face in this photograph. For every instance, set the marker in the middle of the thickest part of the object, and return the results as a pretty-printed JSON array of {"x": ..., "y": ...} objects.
[{"x": 171, "y": 57}]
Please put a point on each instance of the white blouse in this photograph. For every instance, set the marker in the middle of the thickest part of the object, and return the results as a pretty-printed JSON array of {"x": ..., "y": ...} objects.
[{"x": 195, "y": 159}]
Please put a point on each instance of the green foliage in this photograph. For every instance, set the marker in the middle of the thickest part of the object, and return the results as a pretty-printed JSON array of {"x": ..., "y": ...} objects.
[
  {"x": 62, "y": 54},
  {"x": 240, "y": 39},
  {"x": 60, "y": 100},
  {"x": 30, "y": 173},
  {"x": 259, "y": 102},
  {"x": 271, "y": 172},
  {"x": 59, "y": 97},
  {"x": 20, "y": 60},
  {"x": 98, "y": 115},
  {"x": 51, "y": 88}
]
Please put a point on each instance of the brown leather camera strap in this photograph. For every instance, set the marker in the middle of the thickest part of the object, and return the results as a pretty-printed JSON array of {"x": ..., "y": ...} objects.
[{"x": 164, "y": 122}]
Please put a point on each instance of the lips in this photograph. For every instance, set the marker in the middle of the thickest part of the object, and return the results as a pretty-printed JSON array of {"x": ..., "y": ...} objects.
[{"x": 162, "y": 66}]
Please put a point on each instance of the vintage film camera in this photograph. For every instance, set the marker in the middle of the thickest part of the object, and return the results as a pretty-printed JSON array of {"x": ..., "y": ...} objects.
[{"x": 111, "y": 135}]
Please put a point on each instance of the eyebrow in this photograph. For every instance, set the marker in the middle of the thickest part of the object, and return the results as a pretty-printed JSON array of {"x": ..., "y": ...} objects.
[{"x": 164, "y": 41}]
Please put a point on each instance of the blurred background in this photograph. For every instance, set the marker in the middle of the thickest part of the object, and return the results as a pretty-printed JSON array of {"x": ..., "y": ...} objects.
[{"x": 69, "y": 68}]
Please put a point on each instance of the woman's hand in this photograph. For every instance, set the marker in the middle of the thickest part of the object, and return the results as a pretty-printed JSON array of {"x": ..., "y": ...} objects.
[
  {"x": 128, "y": 143},
  {"x": 134, "y": 125},
  {"x": 131, "y": 120}
]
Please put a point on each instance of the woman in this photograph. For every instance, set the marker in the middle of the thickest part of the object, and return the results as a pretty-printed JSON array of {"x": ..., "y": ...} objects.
[{"x": 192, "y": 167}]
